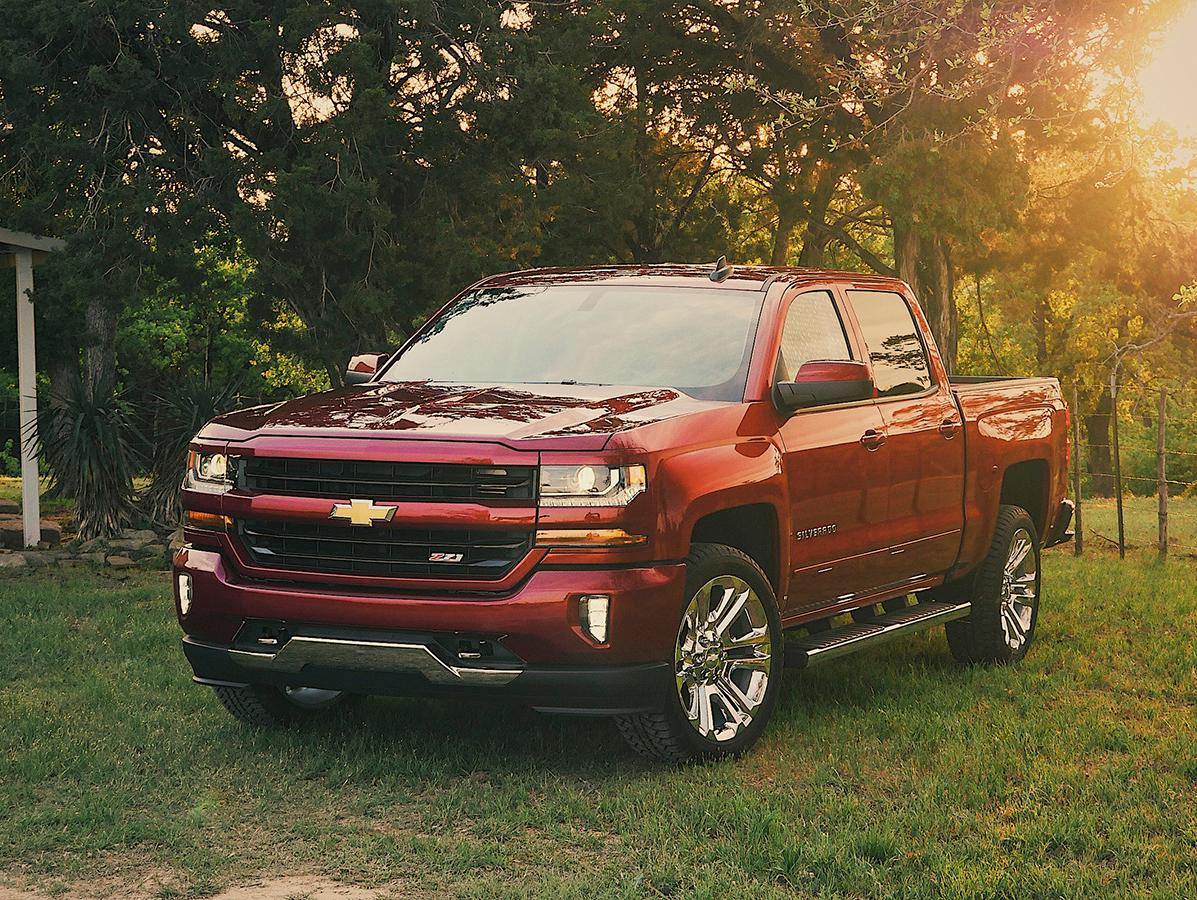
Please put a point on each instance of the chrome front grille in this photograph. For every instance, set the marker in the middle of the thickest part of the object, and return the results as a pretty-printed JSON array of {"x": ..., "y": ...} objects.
[
  {"x": 343, "y": 478},
  {"x": 398, "y": 552}
]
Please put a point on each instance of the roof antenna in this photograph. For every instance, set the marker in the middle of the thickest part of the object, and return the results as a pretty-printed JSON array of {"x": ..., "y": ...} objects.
[{"x": 721, "y": 271}]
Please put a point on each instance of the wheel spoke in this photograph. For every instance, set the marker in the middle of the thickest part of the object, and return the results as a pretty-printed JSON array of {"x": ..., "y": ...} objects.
[
  {"x": 734, "y": 704},
  {"x": 706, "y": 713},
  {"x": 732, "y": 613},
  {"x": 1018, "y": 552},
  {"x": 744, "y": 703},
  {"x": 756, "y": 663},
  {"x": 758, "y": 637},
  {"x": 1015, "y": 623}
]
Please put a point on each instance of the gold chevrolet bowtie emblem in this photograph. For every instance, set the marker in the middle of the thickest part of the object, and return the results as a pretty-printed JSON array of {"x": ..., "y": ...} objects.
[{"x": 362, "y": 512}]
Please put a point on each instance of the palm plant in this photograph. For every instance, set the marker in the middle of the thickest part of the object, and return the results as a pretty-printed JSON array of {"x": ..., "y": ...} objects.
[
  {"x": 87, "y": 440},
  {"x": 175, "y": 417}
]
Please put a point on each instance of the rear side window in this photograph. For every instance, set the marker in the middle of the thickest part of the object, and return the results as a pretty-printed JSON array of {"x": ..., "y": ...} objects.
[
  {"x": 898, "y": 356},
  {"x": 812, "y": 331}
]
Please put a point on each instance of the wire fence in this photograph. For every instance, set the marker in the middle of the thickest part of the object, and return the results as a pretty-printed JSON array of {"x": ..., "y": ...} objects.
[{"x": 1134, "y": 479}]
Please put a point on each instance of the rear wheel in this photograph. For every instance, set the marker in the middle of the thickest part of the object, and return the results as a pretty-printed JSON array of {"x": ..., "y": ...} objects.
[
  {"x": 1005, "y": 596},
  {"x": 266, "y": 706},
  {"x": 725, "y": 673}
]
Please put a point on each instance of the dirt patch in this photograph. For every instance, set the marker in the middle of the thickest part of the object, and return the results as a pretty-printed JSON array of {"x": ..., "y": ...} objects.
[{"x": 297, "y": 887}]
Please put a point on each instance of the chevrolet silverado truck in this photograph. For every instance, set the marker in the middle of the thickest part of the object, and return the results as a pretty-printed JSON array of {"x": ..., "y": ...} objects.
[{"x": 634, "y": 492}]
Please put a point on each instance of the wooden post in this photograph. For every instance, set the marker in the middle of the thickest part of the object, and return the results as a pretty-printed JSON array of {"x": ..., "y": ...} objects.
[
  {"x": 1161, "y": 469},
  {"x": 1117, "y": 463},
  {"x": 27, "y": 388},
  {"x": 1078, "y": 546}
]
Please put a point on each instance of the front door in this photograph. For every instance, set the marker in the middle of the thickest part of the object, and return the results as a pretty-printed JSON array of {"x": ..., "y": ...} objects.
[{"x": 836, "y": 464}]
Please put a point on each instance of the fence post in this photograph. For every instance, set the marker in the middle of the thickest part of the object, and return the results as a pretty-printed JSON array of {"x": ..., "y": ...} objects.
[
  {"x": 1161, "y": 469},
  {"x": 1078, "y": 532},
  {"x": 1117, "y": 463}
]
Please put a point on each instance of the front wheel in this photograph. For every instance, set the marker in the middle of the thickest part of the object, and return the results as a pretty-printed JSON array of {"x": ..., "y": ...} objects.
[
  {"x": 265, "y": 706},
  {"x": 726, "y": 673},
  {"x": 1005, "y": 596}
]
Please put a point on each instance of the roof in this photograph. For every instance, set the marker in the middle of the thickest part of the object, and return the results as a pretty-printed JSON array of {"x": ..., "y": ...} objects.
[
  {"x": 750, "y": 278},
  {"x": 19, "y": 240}
]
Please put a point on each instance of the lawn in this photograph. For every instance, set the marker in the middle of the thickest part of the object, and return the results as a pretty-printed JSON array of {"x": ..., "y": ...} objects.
[
  {"x": 1141, "y": 523},
  {"x": 894, "y": 773}
]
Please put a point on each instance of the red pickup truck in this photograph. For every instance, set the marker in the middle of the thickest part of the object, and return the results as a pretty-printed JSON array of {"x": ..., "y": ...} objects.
[{"x": 630, "y": 491}]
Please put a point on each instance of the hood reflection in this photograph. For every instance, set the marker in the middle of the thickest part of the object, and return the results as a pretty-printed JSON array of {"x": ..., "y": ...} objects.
[{"x": 499, "y": 411}]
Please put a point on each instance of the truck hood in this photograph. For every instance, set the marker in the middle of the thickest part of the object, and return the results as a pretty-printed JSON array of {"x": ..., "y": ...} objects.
[{"x": 585, "y": 416}]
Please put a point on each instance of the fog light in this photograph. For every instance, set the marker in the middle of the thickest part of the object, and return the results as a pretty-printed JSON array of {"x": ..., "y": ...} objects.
[
  {"x": 183, "y": 583},
  {"x": 594, "y": 610}
]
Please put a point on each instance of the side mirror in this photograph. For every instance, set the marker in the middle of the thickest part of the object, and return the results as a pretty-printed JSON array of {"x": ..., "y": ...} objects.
[
  {"x": 363, "y": 367},
  {"x": 823, "y": 382}
]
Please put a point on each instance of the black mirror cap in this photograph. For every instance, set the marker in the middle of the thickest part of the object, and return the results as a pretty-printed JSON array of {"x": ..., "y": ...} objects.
[{"x": 789, "y": 396}]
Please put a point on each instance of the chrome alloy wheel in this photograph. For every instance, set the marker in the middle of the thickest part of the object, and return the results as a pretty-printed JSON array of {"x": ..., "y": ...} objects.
[
  {"x": 723, "y": 658},
  {"x": 1020, "y": 585},
  {"x": 310, "y": 698}
]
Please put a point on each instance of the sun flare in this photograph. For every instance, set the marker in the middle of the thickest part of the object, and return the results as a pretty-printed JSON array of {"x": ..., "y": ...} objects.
[{"x": 1169, "y": 78}]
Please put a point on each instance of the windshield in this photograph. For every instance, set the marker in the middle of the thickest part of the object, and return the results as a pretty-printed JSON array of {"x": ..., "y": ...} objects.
[{"x": 696, "y": 340}]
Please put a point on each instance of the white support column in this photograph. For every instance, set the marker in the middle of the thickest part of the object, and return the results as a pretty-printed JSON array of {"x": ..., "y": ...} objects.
[{"x": 27, "y": 386}]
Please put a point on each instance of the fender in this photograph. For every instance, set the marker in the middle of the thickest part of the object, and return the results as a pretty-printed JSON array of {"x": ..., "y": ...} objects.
[{"x": 704, "y": 480}]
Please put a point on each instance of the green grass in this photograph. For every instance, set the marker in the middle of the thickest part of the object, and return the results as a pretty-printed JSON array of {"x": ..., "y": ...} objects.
[
  {"x": 10, "y": 489},
  {"x": 894, "y": 773},
  {"x": 1141, "y": 523}
]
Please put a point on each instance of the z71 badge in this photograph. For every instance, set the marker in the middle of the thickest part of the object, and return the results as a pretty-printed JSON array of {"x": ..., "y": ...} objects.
[{"x": 819, "y": 531}]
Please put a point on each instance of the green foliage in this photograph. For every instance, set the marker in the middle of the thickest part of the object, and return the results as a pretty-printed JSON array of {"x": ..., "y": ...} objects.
[
  {"x": 89, "y": 446},
  {"x": 173, "y": 418}
]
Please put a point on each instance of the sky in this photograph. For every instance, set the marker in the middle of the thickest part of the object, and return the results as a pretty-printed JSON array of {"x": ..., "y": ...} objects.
[{"x": 1169, "y": 80}]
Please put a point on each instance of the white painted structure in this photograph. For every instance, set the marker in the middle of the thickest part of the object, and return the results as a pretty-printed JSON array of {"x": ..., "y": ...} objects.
[{"x": 23, "y": 251}]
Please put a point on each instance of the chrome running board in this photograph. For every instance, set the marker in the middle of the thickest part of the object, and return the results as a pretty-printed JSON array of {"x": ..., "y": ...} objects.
[
  {"x": 375, "y": 656},
  {"x": 824, "y": 645}
]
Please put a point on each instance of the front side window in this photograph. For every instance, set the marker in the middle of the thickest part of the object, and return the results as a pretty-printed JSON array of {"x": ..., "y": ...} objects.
[
  {"x": 696, "y": 340},
  {"x": 812, "y": 331},
  {"x": 892, "y": 338}
]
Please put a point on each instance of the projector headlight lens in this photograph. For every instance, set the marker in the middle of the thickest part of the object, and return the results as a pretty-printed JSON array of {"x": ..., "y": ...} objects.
[
  {"x": 590, "y": 485},
  {"x": 208, "y": 472}
]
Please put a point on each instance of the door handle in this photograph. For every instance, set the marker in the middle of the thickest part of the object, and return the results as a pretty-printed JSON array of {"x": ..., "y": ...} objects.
[
  {"x": 872, "y": 439},
  {"x": 949, "y": 428}
]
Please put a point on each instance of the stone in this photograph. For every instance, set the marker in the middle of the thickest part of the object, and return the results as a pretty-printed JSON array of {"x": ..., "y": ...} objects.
[
  {"x": 126, "y": 545},
  {"x": 144, "y": 535},
  {"x": 12, "y": 532},
  {"x": 97, "y": 557},
  {"x": 36, "y": 558},
  {"x": 9, "y": 507},
  {"x": 93, "y": 544},
  {"x": 12, "y": 561},
  {"x": 120, "y": 562},
  {"x": 176, "y": 539},
  {"x": 149, "y": 551}
]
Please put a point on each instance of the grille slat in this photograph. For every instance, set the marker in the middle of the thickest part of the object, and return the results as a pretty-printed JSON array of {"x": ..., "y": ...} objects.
[
  {"x": 386, "y": 480},
  {"x": 387, "y": 551}
]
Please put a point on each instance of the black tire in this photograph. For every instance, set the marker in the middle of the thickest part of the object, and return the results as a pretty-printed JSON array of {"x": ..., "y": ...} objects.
[
  {"x": 983, "y": 638},
  {"x": 266, "y": 706},
  {"x": 668, "y": 735}
]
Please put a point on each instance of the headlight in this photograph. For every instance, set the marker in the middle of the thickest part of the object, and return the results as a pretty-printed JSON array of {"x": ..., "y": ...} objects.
[
  {"x": 208, "y": 472},
  {"x": 590, "y": 485}
]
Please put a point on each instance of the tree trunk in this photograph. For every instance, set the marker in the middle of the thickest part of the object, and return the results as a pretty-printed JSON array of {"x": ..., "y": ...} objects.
[
  {"x": 99, "y": 353},
  {"x": 814, "y": 238},
  {"x": 787, "y": 219},
  {"x": 1097, "y": 432},
  {"x": 924, "y": 261}
]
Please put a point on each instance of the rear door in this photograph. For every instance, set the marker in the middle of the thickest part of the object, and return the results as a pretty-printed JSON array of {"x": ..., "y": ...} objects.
[
  {"x": 835, "y": 467},
  {"x": 924, "y": 438}
]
